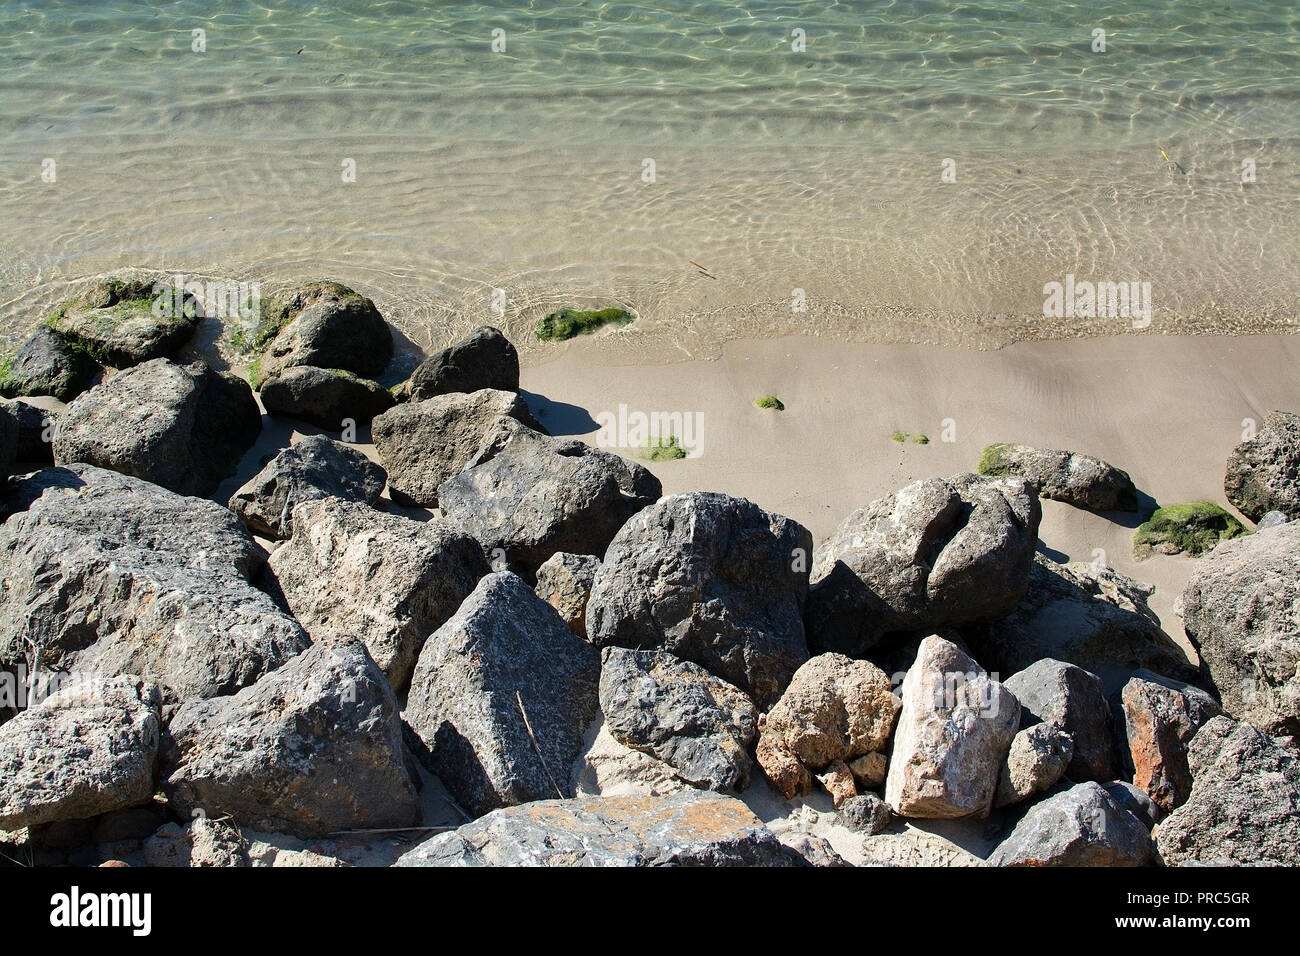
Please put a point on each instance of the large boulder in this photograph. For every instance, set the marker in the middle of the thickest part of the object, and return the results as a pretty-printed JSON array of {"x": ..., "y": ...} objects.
[
  {"x": 1035, "y": 763},
  {"x": 1054, "y": 692},
  {"x": 564, "y": 582},
  {"x": 691, "y": 828},
  {"x": 45, "y": 364},
  {"x": 526, "y": 496},
  {"x": 1081, "y": 826},
  {"x": 35, "y": 432},
  {"x": 422, "y": 444},
  {"x": 1263, "y": 474},
  {"x": 182, "y": 427},
  {"x": 383, "y": 578},
  {"x": 326, "y": 397},
  {"x": 501, "y": 697},
  {"x": 1244, "y": 807},
  {"x": 127, "y": 320},
  {"x": 935, "y": 554},
  {"x": 483, "y": 359},
  {"x": 109, "y": 574},
  {"x": 87, "y": 749},
  {"x": 953, "y": 733},
  {"x": 326, "y": 325},
  {"x": 1160, "y": 718},
  {"x": 679, "y": 712},
  {"x": 1241, "y": 608},
  {"x": 311, "y": 749},
  {"x": 711, "y": 579},
  {"x": 315, "y": 467},
  {"x": 1080, "y": 480}
]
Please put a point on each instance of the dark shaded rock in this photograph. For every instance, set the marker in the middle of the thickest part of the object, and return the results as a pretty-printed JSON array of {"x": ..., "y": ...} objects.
[
  {"x": 1081, "y": 826},
  {"x": 483, "y": 359},
  {"x": 1263, "y": 474},
  {"x": 1054, "y": 692},
  {"x": 35, "y": 442},
  {"x": 1135, "y": 800},
  {"x": 1160, "y": 717},
  {"x": 1080, "y": 480},
  {"x": 865, "y": 813},
  {"x": 564, "y": 582},
  {"x": 126, "y": 321},
  {"x": 9, "y": 431},
  {"x": 1037, "y": 759},
  {"x": 813, "y": 850},
  {"x": 328, "y": 326},
  {"x": 324, "y": 396},
  {"x": 45, "y": 364}
]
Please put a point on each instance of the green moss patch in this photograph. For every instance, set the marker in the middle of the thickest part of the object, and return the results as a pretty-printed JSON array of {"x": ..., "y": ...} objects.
[
  {"x": 1185, "y": 529},
  {"x": 994, "y": 462},
  {"x": 770, "y": 401},
  {"x": 664, "y": 449},
  {"x": 566, "y": 323}
]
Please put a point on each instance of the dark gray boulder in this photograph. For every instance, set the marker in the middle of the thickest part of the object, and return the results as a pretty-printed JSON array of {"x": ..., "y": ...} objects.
[
  {"x": 564, "y": 582},
  {"x": 483, "y": 359},
  {"x": 1263, "y": 474},
  {"x": 326, "y": 325},
  {"x": 866, "y": 814},
  {"x": 9, "y": 432},
  {"x": 326, "y": 397},
  {"x": 1081, "y": 826},
  {"x": 1068, "y": 476},
  {"x": 35, "y": 443},
  {"x": 1160, "y": 718},
  {"x": 119, "y": 321},
  {"x": 45, "y": 364},
  {"x": 1054, "y": 692}
]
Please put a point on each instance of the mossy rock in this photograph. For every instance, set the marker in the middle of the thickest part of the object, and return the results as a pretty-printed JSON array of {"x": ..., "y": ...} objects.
[
  {"x": 1185, "y": 529},
  {"x": 282, "y": 308},
  {"x": 664, "y": 449},
  {"x": 46, "y": 364},
  {"x": 770, "y": 401},
  {"x": 566, "y": 323},
  {"x": 994, "y": 462},
  {"x": 123, "y": 322}
]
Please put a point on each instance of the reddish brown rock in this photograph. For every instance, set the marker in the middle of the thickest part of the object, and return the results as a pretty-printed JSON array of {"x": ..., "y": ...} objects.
[
  {"x": 783, "y": 770},
  {"x": 838, "y": 781}
]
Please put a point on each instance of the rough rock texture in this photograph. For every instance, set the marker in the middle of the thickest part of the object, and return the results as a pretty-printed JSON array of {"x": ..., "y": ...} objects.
[
  {"x": 691, "y": 828},
  {"x": 1135, "y": 800},
  {"x": 115, "y": 320},
  {"x": 1036, "y": 761},
  {"x": 838, "y": 781},
  {"x": 1241, "y": 608},
  {"x": 814, "y": 850},
  {"x": 783, "y": 770},
  {"x": 869, "y": 770},
  {"x": 483, "y": 359},
  {"x": 1263, "y": 474},
  {"x": 425, "y": 443},
  {"x": 501, "y": 697},
  {"x": 679, "y": 712},
  {"x": 313, "y": 748},
  {"x": 712, "y": 579},
  {"x": 200, "y": 843},
  {"x": 865, "y": 813},
  {"x": 329, "y": 326},
  {"x": 1080, "y": 480},
  {"x": 1160, "y": 717},
  {"x": 324, "y": 396},
  {"x": 182, "y": 427},
  {"x": 110, "y": 574},
  {"x": 954, "y": 730},
  {"x": 8, "y": 440},
  {"x": 1273, "y": 519},
  {"x": 46, "y": 365},
  {"x": 85, "y": 750},
  {"x": 1054, "y": 692},
  {"x": 1097, "y": 619},
  {"x": 383, "y": 578},
  {"x": 1245, "y": 802},
  {"x": 314, "y": 467},
  {"x": 1081, "y": 826},
  {"x": 35, "y": 426},
  {"x": 607, "y": 768},
  {"x": 528, "y": 495},
  {"x": 564, "y": 582},
  {"x": 935, "y": 554}
]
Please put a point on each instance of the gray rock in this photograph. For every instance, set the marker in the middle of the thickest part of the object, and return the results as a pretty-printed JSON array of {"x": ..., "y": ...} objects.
[
  {"x": 87, "y": 749},
  {"x": 1241, "y": 609},
  {"x": 1081, "y": 826},
  {"x": 680, "y": 713},
  {"x": 1160, "y": 717},
  {"x": 953, "y": 732},
  {"x": 201, "y": 843},
  {"x": 564, "y": 582},
  {"x": 9, "y": 432},
  {"x": 1080, "y": 480},
  {"x": 483, "y": 359},
  {"x": 45, "y": 364},
  {"x": 182, "y": 427},
  {"x": 425, "y": 443},
  {"x": 1036, "y": 761},
  {"x": 711, "y": 579},
  {"x": 935, "y": 554},
  {"x": 326, "y": 397},
  {"x": 1054, "y": 692},
  {"x": 116, "y": 321},
  {"x": 35, "y": 444},
  {"x": 385, "y": 579},
  {"x": 329, "y": 326},
  {"x": 694, "y": 828},
  {"x": 1244, "y": 808},
  {"x": 813, "y": 850},
  {"x": 313, "y": 748},
  {"x": 312, "y": 468},
  {"x": 501, "y": 697},
  {"x": 109, "y": 574},
  {"x": 1263, "y": 474},
  {"x": 1273, "y": 519},
  {"x": 865, "y": 813},
  {"x": 1135, "y": 801},
  {"x": 526, "y": 496}
]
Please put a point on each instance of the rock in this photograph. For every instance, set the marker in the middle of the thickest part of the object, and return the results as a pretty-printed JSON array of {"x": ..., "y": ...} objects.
[
  {"x": 1135, "y": 801},
  {"x": 1263, "y": 474},
  {"x": 680, "y": 713},
  {"x": 608, "y": 768},
  {"x": 501, "y": 697},
  {"x": 109, "y": 574},
  {"x": 783, "y": 770},
  {"x": 1244, "y": 808},
  {"x": 528, "y": 496},
  {"x": 711, "y": 579},
  {"x": 935, "y": 554},
  {"x": 45, "y": 364},
  {"x": 87, "y": 749},
  {"x": 385, "y": 579},
  {"x": 329, "y": 326},
  {"x": 1160, "y": 717},
  {"x": 1080, "y": 480},
  {"x": 1054, "y": 692},
  {"x": 1036, "y": 761},
  {"x": 313, "y": 748},
  {"x": 1241, "y": 609},
  {"x": 835, "y": 709},
  {"x": 1273, "y": 519},
  {"x": 564, "y": 582},
  {"x": 327, "y": 397},
  {"x": 1191, "y": 529},
  {"x": 813, "y": 850},
  {"x": 953, "y": 732},
  {"x": 838, "y": 781},
  {"x": 1081, "y": 826},
  {"x": 869, "y": 771},
  {"x": 264, "y": 854},
  {"x": 312, "y": 468},
  {"x": 8, "y": 440},
  {"x": 865, "y": 813},
  {"x": 1095, "y": 618},
  {"x": 692, "y": 828},
  {"x": 202, "y": 842},
  {"x": 117, "y": 322},
  {"x": 182, "y": 427},
  {"x": 35, "y": 441},
  {"x": 425, "y": 443},
  {"x": 484, "y": 359}
]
